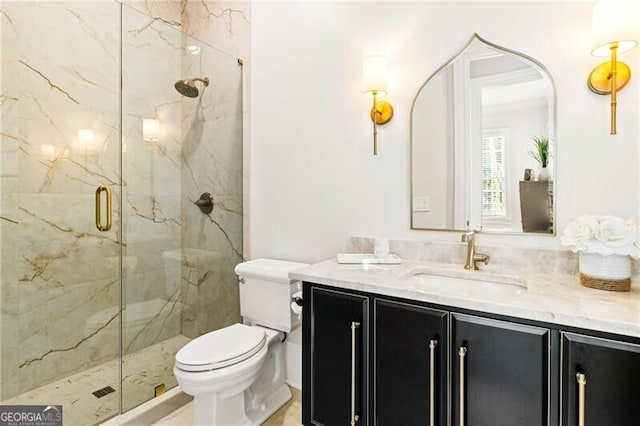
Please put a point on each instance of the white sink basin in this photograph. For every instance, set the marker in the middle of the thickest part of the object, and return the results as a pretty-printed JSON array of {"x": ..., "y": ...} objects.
[{"x": 434, "y": 281}]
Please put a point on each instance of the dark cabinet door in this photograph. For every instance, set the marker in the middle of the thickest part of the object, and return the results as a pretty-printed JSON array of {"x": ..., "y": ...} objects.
[
  {"x": 336, "y": 354},
  {"x": 610, "y": 373},
  {"x": 500, "y": 373},
  {"x": 410, "y": 364}
]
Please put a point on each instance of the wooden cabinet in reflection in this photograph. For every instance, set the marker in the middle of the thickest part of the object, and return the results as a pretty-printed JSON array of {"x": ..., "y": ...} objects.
[{"x": 536, "y": 206}]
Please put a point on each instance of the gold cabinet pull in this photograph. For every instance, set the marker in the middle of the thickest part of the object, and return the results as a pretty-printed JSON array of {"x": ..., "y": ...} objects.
[
  {"x": 461, "y": 353},
  {"x": 433, "y": 344},
  {"x": 582, "y": 383},
  {"x": 354, "y": 416},
  {"x": 99, "y": 191}
]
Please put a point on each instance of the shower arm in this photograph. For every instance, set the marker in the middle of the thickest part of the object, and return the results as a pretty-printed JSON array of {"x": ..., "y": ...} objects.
[{"x": 203, "y": 80}]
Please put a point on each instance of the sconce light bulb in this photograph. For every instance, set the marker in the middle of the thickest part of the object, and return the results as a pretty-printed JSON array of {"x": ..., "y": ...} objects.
[
  {"x": 375, "y": 75},
  {"x": 614, "y": 21}
]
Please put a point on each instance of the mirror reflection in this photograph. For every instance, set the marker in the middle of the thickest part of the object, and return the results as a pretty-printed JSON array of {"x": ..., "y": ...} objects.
[{"x": 482, "y": 144}]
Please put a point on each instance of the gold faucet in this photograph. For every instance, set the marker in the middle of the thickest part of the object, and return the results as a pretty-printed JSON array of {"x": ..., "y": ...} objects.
[{"x": 472, "y": 257}]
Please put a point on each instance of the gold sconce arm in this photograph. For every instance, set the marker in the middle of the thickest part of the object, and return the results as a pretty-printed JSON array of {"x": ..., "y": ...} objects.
[
  {"x": 609, "y": 78},
  {"x": 375, "y": 83},
  {"x": 374, "y": 114},
  {"x": 381, "y": 113}
]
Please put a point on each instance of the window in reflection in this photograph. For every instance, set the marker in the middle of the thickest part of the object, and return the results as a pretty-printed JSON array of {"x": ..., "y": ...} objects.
[{"x": 493, "y": 182}]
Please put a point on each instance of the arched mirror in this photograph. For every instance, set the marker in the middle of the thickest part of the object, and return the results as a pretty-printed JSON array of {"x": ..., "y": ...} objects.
[{"x": 482, "y": 144}]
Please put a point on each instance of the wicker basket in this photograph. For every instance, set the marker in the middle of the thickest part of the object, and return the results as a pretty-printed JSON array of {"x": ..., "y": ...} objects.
[
  {"x": 611, "y": 273},
  {"x": 604, "y": 284}
]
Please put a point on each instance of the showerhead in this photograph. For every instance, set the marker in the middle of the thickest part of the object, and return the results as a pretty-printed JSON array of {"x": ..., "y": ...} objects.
[{"x": 188, "y": 87}]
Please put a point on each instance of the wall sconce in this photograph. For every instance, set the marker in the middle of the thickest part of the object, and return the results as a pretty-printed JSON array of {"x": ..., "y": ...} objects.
[
  {"x": 375, "y": 77},
  {"x": 614, "y": 30},
  {"x": 150, "y": 129}
]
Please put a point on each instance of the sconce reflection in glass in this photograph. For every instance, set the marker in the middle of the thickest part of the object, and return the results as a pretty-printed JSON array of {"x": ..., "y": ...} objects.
[
  {"x": 50, "y": 152},
  {"x": 614, "y": 30},
  {"x": 193, "y": 49},
  {"x": 150, "y": 129},
  {"x": 375, "y": 78},
  {"x": 83, "y": 141}
]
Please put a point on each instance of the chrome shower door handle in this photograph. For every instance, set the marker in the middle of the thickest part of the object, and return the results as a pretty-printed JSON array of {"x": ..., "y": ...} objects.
[
  {"x": 582, "y": 383},
  {"x": 461, "y": 353},
  {"x": 433, "y": 344},
  {"x": 99, "y": 191},
  {"x": 354, "y": 416}
]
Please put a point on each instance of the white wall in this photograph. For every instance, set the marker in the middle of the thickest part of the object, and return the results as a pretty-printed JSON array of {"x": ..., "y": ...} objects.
[
  {"x": 314, "y": 180},
  {"x": 433, "y": 125}
]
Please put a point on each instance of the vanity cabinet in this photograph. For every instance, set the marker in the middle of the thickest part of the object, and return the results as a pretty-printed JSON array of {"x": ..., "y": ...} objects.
[
  {"x": 500, "y": 372},
  {"x": 378, "y": 360},
  {"x": 406, "y": 381},
  {"x": 336, "y": 357},
  {"x": 410, "y": 364},
  {"x": 606, "y": 373}
]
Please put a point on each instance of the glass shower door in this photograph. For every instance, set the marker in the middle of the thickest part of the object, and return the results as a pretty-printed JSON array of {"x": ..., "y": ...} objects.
[
  {"x": 178, "y": 261},
  {"x": 151, "y": 120},
  {"x": 60, "y": 143}
]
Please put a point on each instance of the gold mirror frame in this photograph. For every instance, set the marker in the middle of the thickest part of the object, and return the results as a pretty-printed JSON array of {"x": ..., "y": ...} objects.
[{"x": 473, "y": 38}]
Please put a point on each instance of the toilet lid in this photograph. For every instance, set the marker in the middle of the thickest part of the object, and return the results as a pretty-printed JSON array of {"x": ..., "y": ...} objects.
[{"x": 221, "y": 348}]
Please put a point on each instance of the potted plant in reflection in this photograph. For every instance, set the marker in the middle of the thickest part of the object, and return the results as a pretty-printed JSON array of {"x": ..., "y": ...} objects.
[{"x": 541, "y": 155}]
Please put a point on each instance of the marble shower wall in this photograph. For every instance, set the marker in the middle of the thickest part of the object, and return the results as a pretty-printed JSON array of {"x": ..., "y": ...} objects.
[
  {"x": 212, "y": 162},
  {"x": 57, "y": 268},
  {"x": 226, "y": 24}
]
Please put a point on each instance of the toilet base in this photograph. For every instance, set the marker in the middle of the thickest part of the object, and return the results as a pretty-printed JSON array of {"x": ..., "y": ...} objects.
[
  {"x": 270, "y": 405},
  {"x": 211, "y": 410},
  {"x": 234, "y": 409}
]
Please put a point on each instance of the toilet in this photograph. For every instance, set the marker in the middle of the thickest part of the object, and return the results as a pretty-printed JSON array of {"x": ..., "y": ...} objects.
[{"x": 237, "y": 374}]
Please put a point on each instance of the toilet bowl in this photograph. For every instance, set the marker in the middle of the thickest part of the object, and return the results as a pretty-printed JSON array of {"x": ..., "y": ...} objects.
[{"x": 237, "y": 374}]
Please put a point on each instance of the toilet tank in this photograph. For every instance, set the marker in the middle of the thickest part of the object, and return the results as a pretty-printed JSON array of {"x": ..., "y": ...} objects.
[{"x": 265, "y": 293}]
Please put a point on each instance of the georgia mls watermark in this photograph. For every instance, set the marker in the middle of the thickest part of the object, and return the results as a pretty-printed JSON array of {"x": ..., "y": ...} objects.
[{"x": 30, "y": 415}]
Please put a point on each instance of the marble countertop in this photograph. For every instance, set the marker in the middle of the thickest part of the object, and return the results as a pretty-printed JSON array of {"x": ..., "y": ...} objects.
[{"x": 548, "y": 297}]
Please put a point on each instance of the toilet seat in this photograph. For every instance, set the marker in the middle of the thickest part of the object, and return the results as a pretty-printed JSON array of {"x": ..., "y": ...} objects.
[{"x": 221, "y": 348}]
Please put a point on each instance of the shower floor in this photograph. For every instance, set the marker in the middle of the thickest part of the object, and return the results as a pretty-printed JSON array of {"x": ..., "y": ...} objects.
[{"x": 152, "y": 366}]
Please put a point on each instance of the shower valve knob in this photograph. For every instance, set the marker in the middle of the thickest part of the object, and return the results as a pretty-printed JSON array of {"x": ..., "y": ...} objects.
[{"x": 205, "y": 203}]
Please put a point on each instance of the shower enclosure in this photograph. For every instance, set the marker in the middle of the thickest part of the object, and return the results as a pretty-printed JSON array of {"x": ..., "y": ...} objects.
[{"x": 108, "y": 266}]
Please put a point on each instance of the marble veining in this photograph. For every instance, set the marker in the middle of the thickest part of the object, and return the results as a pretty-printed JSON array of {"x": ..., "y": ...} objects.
[
  {"x": 217, "y": 20},
  {"x": 549, "y": 296}
]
